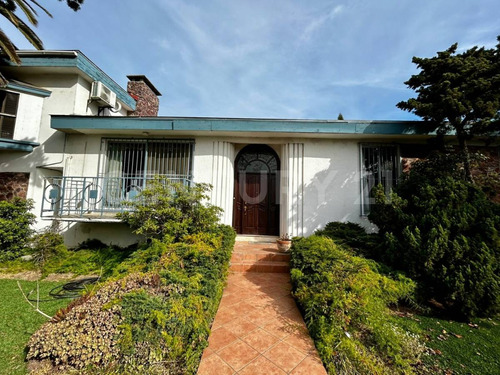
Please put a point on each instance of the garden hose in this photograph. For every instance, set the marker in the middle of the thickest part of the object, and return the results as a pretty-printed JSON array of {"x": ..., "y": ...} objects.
[{"x": 71, "y": 289}]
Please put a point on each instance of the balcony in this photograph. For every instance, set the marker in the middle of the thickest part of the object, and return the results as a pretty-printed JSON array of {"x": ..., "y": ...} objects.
[{"x": 96, "y": 199}]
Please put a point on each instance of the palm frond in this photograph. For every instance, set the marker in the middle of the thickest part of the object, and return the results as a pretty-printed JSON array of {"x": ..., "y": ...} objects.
[
  {"x": 8, "y": 47},
  {"x": 28, "y": 10},
  {"x": 28, "y": 33},
  {"x": 41, "y": 7}
]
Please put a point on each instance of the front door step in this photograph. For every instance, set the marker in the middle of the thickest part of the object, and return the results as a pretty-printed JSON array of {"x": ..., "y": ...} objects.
[
  {"x": 259, "y": 257},
  {"x": 251, "y": 238}
]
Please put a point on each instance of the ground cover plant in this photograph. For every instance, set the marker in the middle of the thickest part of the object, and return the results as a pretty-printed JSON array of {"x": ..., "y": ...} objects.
[
  {"x": 19, "y": 321},
  {"x": 344, "y": 300},
  {"x": 443, "y": 232},
  {"x": 153, "y": 314}
]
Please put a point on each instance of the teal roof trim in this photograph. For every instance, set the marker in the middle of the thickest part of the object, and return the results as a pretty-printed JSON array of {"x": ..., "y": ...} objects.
[
  {"x": 15, "y": 145},
  {"x": 145, "y": 124},
  {"x": 28, "y": 89},
  {"x": 84, "y": 64}
]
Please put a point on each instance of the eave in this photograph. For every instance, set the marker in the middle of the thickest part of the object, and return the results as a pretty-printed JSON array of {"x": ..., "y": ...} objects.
[
  {"x": 206, "y": 126},
  {"x": 16, "y": 145}
]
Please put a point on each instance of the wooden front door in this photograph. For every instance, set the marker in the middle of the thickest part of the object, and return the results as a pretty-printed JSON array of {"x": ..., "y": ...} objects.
[{"x": 256, "y": 208}]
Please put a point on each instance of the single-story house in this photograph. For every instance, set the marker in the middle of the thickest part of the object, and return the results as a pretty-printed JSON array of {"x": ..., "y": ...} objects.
[{"x": 80, "y": 146}]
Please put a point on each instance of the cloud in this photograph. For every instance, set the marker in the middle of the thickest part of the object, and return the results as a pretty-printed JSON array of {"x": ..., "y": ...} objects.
[{"x": 319, "y": 21}]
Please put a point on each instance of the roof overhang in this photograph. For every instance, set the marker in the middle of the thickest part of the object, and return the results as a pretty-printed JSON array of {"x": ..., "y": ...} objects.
[
  {"x": 171, "y": 126},
  {"x": 16, "y": 145}
]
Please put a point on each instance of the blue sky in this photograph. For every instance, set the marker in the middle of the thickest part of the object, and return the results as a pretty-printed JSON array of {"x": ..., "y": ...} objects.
[{"x": 270, "y": 58}]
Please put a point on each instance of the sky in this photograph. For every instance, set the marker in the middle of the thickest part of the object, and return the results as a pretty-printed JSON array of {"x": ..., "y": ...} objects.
[{"x": 294, "y": 59}]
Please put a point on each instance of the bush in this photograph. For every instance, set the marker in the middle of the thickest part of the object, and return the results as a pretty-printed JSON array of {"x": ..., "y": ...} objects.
[
  {"x": 443, "y": 232},
  {"x": 15, "y": 227},
  {"x": 352, "y": 235},
  {"x": 344, "y": 302},
  {"x": 168, "y": 211},
  {"x": 153, "y": 317}
]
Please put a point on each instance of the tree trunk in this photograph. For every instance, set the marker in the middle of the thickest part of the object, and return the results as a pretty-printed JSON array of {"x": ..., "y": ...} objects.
[{"x": 464, "y": 150}]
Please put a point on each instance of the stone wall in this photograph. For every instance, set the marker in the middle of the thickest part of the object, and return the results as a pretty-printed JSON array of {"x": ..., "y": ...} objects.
[
  {"x": 13, "y": 185},
  {"x": 147, "y": 101}
]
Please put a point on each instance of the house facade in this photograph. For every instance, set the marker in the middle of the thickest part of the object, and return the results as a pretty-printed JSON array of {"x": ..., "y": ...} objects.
[{"x": 81, "y": 157}]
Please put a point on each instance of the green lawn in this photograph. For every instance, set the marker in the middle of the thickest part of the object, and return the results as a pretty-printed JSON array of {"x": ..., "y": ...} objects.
[
  {"x": 19, "y": 321},
  {"x": 461, "y": 348}
]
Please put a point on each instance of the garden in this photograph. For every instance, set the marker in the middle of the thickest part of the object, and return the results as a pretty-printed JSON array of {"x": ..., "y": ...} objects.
[
  {"x": 152, "y": 306},
  {"x": 422, "y": 295}
]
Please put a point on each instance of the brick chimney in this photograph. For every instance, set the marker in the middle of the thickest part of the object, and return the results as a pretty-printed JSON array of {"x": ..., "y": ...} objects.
[{"x": 146, "y": 95}]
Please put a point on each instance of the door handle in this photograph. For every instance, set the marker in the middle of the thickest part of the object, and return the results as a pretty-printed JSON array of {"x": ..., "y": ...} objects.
[{"x": 245, "y": 208}]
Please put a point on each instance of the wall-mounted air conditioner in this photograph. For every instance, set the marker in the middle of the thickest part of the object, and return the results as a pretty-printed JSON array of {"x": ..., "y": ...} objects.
[{"x": 102, "y": 94}]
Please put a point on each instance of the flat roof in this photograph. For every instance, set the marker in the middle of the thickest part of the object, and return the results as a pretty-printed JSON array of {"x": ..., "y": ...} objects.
[{"x": 237, "y": 126}]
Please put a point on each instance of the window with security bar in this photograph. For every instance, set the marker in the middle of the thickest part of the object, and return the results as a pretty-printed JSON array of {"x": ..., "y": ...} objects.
[
  {"x": 380, "y": 164},
  {"x": 8, "y": 113},
  {"x": 129, "y": 163}
]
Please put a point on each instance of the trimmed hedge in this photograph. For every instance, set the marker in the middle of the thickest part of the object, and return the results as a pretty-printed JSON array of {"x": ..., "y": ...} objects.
[
  {"x": 152, "y": 317},
  {"x": 345, "y": 301}
]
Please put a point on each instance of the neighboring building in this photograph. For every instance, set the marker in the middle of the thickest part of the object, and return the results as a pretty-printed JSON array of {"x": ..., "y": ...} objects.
[{"x": 80, "y": 161}]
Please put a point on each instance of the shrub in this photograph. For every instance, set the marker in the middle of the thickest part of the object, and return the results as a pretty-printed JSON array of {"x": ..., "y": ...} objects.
[
  {"x": 352, "y": 235},
  {"x": 15, "y": 227},
  {"x": 443, "y": 232},
  {"x": 344, "y": 301},
  {"x": 153, "y": 317},
  {"x": 168, "y": 211}
]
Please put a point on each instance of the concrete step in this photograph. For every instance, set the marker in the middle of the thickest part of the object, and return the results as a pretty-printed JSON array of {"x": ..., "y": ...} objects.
[
  {"x": 260, "y": 256},
  {"x": 260, "y": 266},
  {"x": 252, "y": 238}
]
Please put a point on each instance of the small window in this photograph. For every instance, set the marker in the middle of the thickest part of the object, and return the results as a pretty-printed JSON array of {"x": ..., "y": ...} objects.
[
  {"x": 379, "y": 165},
  {"x": 8, "y": 112}
]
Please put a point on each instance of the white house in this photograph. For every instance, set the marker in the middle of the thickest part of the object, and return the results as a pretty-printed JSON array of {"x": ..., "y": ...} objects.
[{"x": 85, "y": 145}]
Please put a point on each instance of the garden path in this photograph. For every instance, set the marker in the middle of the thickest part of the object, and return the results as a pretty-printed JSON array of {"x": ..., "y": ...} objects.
[{"x": 258, "y": 328}]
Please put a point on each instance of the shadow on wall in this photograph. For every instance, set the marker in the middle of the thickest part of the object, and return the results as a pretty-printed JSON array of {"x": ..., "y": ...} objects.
[
  {"x": 118, "y": 234},
  {"x": 333, "y": 194}
]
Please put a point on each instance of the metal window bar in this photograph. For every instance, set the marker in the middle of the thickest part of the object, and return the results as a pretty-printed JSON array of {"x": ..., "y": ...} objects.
[{"x": 380, "y": 164}]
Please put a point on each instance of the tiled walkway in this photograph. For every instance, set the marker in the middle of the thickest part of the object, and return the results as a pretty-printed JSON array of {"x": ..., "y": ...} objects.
[{"x": 259, "y": 330}]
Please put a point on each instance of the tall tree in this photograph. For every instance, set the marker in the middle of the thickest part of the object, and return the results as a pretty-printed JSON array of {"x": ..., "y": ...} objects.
[
  {"x": 458, "y": 92},
  {"x": 8, "y": 10}
]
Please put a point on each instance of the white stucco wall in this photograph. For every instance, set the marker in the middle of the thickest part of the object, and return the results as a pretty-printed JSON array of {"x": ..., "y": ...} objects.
[
  {"x": 29, "y": 113},
  {"x": 69, "y": 96}
]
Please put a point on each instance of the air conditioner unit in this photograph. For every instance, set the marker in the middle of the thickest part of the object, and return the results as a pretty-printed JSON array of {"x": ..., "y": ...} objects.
[{"x": 102, "y": 94}]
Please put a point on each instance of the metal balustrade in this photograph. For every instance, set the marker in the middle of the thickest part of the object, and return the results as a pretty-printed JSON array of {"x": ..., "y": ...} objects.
[{"x": 95, "y": 197}]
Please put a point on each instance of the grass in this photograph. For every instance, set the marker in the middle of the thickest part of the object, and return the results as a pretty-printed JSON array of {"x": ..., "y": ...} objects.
[
  {"x": 19, "y": 321},
  {"x": 460, "y": 348},
  {"x": 79, "y": 262}
]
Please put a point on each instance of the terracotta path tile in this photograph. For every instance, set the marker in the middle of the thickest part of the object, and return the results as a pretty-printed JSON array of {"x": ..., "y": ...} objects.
[
  {"x": 214, "y": 365},
  {"x": 261, "y": 366},
  {"x": 260, "y": 340},
  {"x": 309, "y": 366},
  {"x": 238, "y": 354},
  {"x": 220, "y": 338},
  {"x": 285, "y": 356},
  {"x": 258, "y": 329},
  {"x": 240, "y": 327},
  {"x": 301, "y": 341}
]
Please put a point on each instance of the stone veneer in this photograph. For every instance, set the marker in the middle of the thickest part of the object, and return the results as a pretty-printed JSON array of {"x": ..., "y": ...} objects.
[
  {"x": 144, "y": 93},
  {"x": 13, "y": 184}
]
